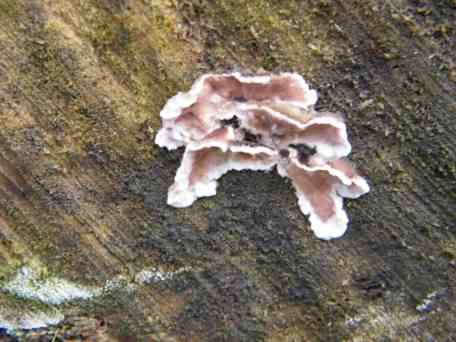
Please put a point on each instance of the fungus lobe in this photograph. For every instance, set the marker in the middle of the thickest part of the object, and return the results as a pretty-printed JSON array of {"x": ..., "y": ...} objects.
[{"x": 234, "y": 122}]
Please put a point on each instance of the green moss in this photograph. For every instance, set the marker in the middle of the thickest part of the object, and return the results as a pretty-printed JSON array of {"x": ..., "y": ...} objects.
[
  {"x": 10, "y": 8},
  {"x": 17, "y": 306},
  {"x": 7, "y": 270},
  {"x": 449, "y": 249},
  {"x": 264, "y": 34}
]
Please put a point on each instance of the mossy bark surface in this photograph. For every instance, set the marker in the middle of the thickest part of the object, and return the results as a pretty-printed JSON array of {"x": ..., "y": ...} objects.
[{"x": 83, "y": 188}]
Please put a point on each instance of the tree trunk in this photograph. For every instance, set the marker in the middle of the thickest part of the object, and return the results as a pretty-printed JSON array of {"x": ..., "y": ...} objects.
[{"x": 90, "y": 250}]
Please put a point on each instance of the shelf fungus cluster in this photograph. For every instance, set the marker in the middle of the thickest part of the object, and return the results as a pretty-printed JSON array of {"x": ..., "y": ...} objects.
[{"x": 234, "y": 122}]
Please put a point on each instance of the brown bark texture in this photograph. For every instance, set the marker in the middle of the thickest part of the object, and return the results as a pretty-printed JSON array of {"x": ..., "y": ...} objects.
[{"x": 83, "y": 188}]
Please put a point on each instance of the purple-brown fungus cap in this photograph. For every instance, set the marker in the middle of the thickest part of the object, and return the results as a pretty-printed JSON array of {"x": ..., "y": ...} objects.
[{"x": 234, "y": 122}]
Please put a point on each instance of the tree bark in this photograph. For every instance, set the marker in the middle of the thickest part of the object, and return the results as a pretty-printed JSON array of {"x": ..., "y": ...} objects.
[{"x": 83, "y": 188}]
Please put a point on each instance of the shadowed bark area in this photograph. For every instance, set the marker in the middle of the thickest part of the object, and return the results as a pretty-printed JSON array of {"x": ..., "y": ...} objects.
[{"x": 83, "y": 188}]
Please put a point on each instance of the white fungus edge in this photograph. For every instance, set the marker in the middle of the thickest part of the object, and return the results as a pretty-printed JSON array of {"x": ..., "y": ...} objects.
[
  {"x": 181, "y": 194},
  {"x": 336, "y": 225}
]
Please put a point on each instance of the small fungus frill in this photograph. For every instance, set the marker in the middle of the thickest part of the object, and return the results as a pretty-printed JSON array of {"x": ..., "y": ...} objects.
[{"x": 234, "y": 122}]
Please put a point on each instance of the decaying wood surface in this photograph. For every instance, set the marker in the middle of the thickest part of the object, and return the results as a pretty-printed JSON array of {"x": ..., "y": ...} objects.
[{"x": 83, "y": 188}]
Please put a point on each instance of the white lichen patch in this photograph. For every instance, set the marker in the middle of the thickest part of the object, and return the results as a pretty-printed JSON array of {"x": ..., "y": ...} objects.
[
  {"x": 151, "y": 276},
  {"x": 28, "y": 284},
  {"x": 144, "y": 277},
  {"x": 120, "y": 282},
  {"x": 154, "y": 275},
  {"x": 13, "y": 321}
]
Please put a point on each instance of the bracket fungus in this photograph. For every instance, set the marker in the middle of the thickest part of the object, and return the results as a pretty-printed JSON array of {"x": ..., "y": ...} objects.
[{"x": 234, "y": 122}]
